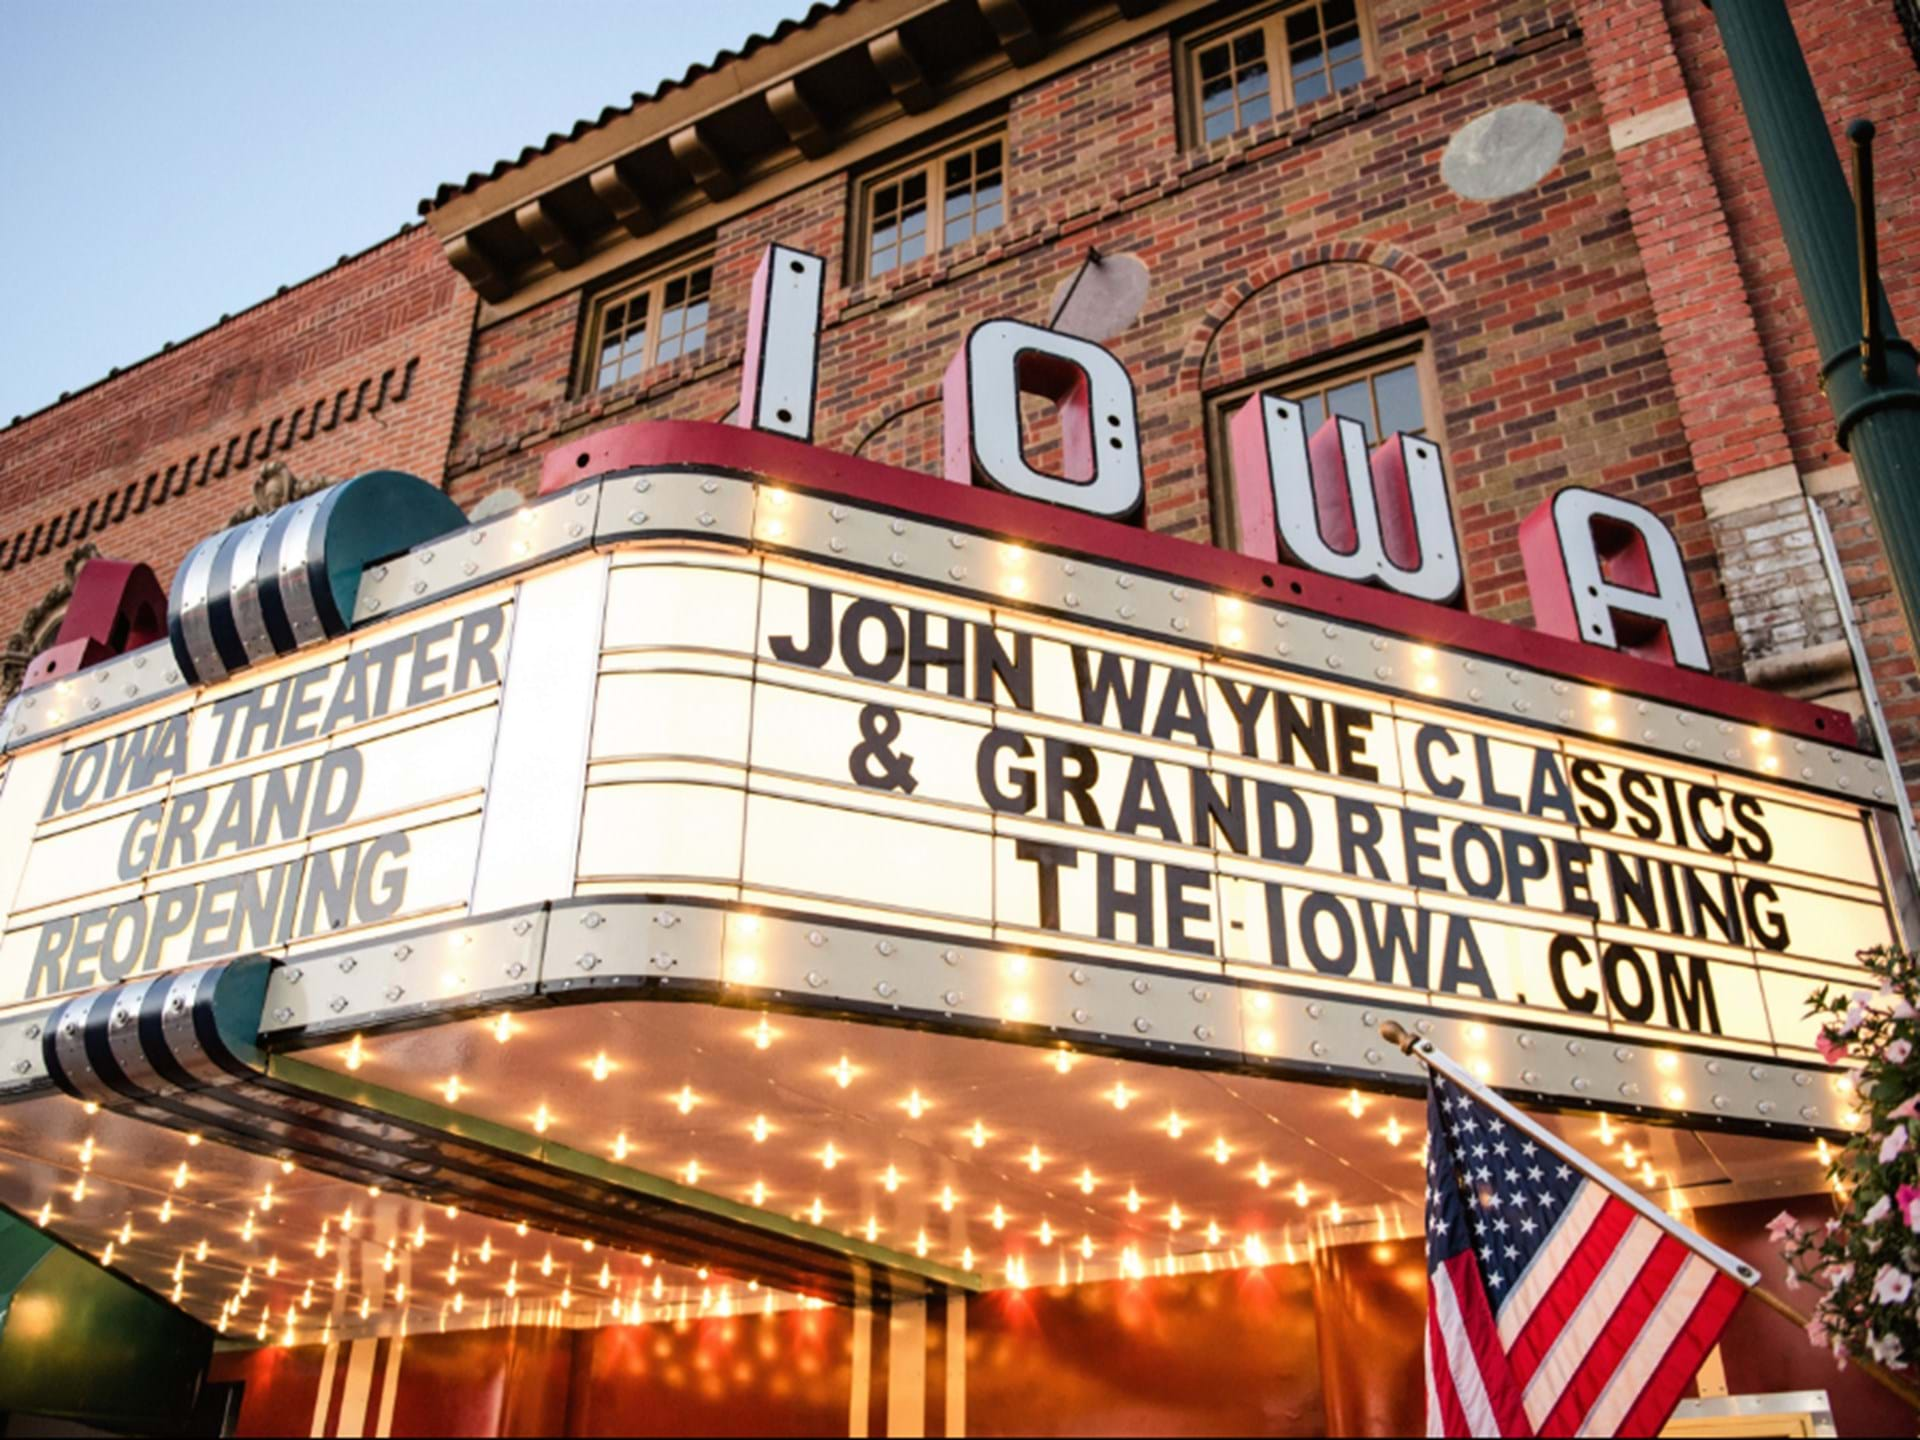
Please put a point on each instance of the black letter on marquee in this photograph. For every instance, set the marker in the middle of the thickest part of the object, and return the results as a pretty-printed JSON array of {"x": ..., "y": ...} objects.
[
  {"x": 819, "y": 644},
  {"x": 1050, "y": 859}
]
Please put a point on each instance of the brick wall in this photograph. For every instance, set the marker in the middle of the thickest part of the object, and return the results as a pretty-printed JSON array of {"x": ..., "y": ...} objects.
[{"x": 358, "y": 368}]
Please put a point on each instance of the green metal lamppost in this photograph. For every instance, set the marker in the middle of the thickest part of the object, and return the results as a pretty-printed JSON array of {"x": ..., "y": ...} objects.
[{"x": 1868, "y": 372}]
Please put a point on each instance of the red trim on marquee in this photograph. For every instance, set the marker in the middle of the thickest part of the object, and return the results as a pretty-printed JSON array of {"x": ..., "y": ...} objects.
[{"x": 665, "y": 443}]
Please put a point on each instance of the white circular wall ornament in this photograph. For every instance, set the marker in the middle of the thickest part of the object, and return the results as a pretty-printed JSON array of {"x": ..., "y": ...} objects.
[{"x": 1503, "y": 152}]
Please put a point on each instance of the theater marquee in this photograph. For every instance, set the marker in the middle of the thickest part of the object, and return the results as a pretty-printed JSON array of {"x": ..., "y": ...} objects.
[{"x": 1024, "y": 777}]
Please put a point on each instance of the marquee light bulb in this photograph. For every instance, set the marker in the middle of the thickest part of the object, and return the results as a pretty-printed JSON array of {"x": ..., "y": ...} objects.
[
  {"x": 762, "y": 1035},
  {"x": 843, "y": 1073},
  {"x": 1063, "y": 1060},
  {"x": 1176, "y": 1127},
  {"x": 1646, "y": 1174},
  {"x": 1046, "y": 1233},
  {"x": 1263, "y": 1175},
  {"x": 166, "y": 1211},
  {"x": 1175, "y": 1219},
  {"x": 891, "y": 1180},
  {"x": 1300, "y": 1194},
  {"x": 1086, "y": 1247},
  {"x": 621, "y": 1147},
  {"x": 947, "y": 1198},
  {"x": 606, "y": 1275},
  {"x": 1086, "y": 1181},
  {"x": 1133, "y": 1201},
  {"x": 546, "y": 1263},
  {"x": 873, "y": 1230},
  {"x": 1222, "y": 1152},
  {"x": 829, "y": 1156},
  {"x": 1256, "y": 1251},
  {"x": 486, "y": 1250},
  {"x": 1355, "y": 1106},
  {"x": 452, "y": 1090},
  {"x": 966, "y": 1258},
  {"x": 200, "y": 1251},
  {"x": 45, "y": 1215},
  {"x": 1035, "y": 1159},
  {"x": 999, "y": 1217},
  {"x": 759, "y": 1192},
  {"x": 356, "y": 1053},
  {"x": 1335, "y": 1213},
  {"x": 684, "y": 1100},
  {"x": 541, "y": 1119},
  {"x": 1394, "y": 1132},
  {"x": 180, "y": 1176},
  {"x": 978, "y": 1135},
  {"x": 693, "y": 1172},
  {"x": 920, "y": 1246},
  {"x": 420, "y": 1236},
  {"x": 286, "y": 1166},
  {"x": 915, "y": 1105},
  {"x": 816, "y": 1211},
  {"x": 1213, "y": 1233},
  {"x": 1606, "y": 1131},
  {"x": 86, "y": 1152},
  {"x": 760, "y": 1129},
  {"x": 80, "y": 1190},
  {"x": 1122, "y": 1097},
  {"x": 602, "y": 1067}
]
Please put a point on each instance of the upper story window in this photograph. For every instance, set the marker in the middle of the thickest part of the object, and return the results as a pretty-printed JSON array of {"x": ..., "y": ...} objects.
[
  {"x": 647, "y": 323},
  {"x": 1244, "y": 75},
  {"x": 936, "y": 200}
]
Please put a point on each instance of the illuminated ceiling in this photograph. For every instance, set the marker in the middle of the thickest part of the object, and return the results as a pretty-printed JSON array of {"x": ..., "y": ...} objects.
[{"x": 1019, "y": 1163}]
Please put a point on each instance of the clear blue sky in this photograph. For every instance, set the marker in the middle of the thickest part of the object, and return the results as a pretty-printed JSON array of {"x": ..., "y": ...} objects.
[{"x": 165, "y": 161}]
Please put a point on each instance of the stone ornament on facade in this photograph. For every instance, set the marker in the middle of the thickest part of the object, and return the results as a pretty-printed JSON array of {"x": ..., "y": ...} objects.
[
  {"x": 277, "y": 485},
  {"x": 41, "y": 623}
]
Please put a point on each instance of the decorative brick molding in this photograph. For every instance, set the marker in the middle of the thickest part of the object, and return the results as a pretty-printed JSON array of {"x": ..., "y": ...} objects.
[
  {"x": 347, "y": 404},
  {"x": 35, "y": 631}
]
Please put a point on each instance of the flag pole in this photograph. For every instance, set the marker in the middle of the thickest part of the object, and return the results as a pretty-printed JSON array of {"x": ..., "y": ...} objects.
[{"x": 1441, "y": 1063}]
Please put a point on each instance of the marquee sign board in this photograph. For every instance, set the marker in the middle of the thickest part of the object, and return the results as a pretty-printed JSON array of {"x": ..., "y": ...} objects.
[{"x": 756, "y": 688}]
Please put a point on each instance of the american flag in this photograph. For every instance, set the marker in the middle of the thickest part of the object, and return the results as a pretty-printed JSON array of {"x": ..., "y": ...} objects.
[{"x": 1554, "y": 1306}]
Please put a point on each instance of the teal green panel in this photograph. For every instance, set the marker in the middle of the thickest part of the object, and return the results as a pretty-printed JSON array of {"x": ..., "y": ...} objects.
[{"x": 79, "y": 1342}]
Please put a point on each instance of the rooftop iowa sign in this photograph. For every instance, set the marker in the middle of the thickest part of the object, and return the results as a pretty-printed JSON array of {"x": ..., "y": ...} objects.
[{"x": 747, "y": 673}]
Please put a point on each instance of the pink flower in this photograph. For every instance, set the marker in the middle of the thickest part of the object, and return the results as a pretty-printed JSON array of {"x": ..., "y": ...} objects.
[
  {"x": 1894, "y": 1144},
  {"x": 1838, "y": 1275},
  {"x": 1892, "y": 1285},
  {"x": 1898, "y": 1052},
  {"x": 1902, "y": 1009},
  {"x": 1877, "y": 1212},
  {"x": 1850, "y": 1022},
  {"x": 1781, "y": 1226},
  {"x": 1832, "y": 1050},
  {"x": 1908, "y": 1199},
  {"x": 1817, "y": 1331},
  {"x": 1905, "y": 1109},
  {"x": 1885, "y": 1349}
]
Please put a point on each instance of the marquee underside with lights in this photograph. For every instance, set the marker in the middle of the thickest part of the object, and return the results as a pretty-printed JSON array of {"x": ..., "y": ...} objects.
[{"x": 866, "y": 768}]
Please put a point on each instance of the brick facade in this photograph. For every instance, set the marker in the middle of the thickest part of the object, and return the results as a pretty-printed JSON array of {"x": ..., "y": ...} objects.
[
  {"x": 356, "y": 369},
  {"x": 1629, "y": 323}
]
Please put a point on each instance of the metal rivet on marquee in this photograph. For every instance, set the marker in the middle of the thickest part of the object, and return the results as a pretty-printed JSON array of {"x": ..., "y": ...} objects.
[
  {"x": 1476, "y": 694},
  {"x": 522, "y": 925},
  {"x": 885, "y": 947},
  {"x": 587, "y": 961},
  {"x": 1073, "y": 600},
  {"x": 1757, "y": 1073},
  {"x": 707, "y": 487},
  {"x": 347, "y": 962},
  {"x": 1470, "y": 667},
  {"x": 1201, "y": 994},
  {"x": 337, "y": 1004},
  {"x": 1802, "y": 1079},
  {"x": 172, "y": 676},
  {"x": 283, "y": 1014},
  {"x": 425, "y": 557},
  {"x": 816, "y": 979},
  {"x": 373, "y": 604},
  {"x": 1140, "y": 986},
  {"x": 642, "y": 485},
  {"x": 1574, "y": 1047},
  {"x": 33, "y": 1032},
  {"x": 1142, "y": 1024},
  {"x": 1521, "y": 706},
  {"x": 1332, "y": 632},
  {"x": 1077, "y": 975},
  {"x": 898, "y": 527},
  {"x": 133, "y": 691},
  {"x": 70, "y": 1027},
  {"x": 1720, "y": 1102},
  {"x": 1282, "y": 648},
  {"x": 400, "y": 952},
  {"x": 1333, "y": 662},
  {"x": 837, "y": 513},
  {"x": 958, "y": 542},
  {"x": 1125, "y": 582},
  {"x": 1383, "y": 672},
  {"x": 660, "y": 960},
  {"x": 1764, "y": 1107},
  {"x": 1373, "y": 1057},
  {"x": 1315, "y": 1010},
  {"x": 469, "y": 568},
  {"x": 1378, "y": 643},
  {"x": 1693, "y": 747},
  {"x": 815, "y": 938},
  {"x": 1879, "y": 793},
  {"x": 394, "y": 992},
  {"x": 952, "y": 999},
  {"x": 884, "y": 990},
  {"x": 1622, "y": 1053},
  {"x": 1559, "y": 687},
  {"x": 23, "y": 1067},
  {"x": 1318, "y": 1048},
  {"x": 666, "y": 919},
  {"x": 1127, "y": 612},
  {"x": 1648, "y": 736},
  {"x": 516, "y": 970},
  {"x": 593, "y": 919},
  {"x": 575, "y": 531},
  {"x": 1806, "y": 772},
  {"x": 1178, "y": 592},
  {"x": 1203, "y": 1033},
  {"x": 1629, "y": 1089},
  {"x": 897, "y": 559},
  {"x": 94, "y": 704},
  {"x": 419, "y": 587},
  {"x": 294, "y": 977},
  {"x": 121, "y": 1019},
  {"x": 1808, "y": 1112},
  {"x": 1080, "y": 1017},
  {"x": 952, "y": 957},
  {"x": 1845, "y": 781},
  {"x": 583, "y": 497},
  {"x": 958, "y": 572},
  {"x": 836, "y": 544},
  {"x": 1180, "y": 622},
  {"x": 1425, "y": 1027},
  {"x": 705, "y": 517},
  {"x": 1581, "y": 1084},
  {"x": 1280, "y": 619}
]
